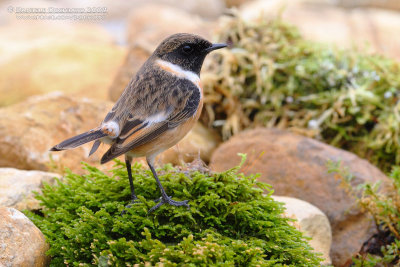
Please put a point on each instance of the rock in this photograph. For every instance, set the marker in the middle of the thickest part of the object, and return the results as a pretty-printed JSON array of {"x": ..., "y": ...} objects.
[
  {"x": 206, "y": 8},
  {"x": 388, "y": 4},
  {"x": 37, "y": 60},
  {"x": 152, "y": 23},
  {"x": 19, "y": 38},
  {"x": 29, "y": 129},
  {"x": 16, "y": 187},
  {"x": 235, "y": 3},
  {"x": 296, "y": 166},
  {"x": 21, "y": 242},
  {"x": 199, "y": 141},
  {"x": 312, "y": 222},
  {"x": 370, "y": 29},
  {"x": 118, "y": 9},
  {"x": 148, "y": 26},
  {"x": 133, "y": 61}
]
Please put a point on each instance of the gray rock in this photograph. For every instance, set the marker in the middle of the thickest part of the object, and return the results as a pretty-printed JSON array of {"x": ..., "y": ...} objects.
[
  {"x": 312, "y": 222},
  {"x": 16, "y": 187}
]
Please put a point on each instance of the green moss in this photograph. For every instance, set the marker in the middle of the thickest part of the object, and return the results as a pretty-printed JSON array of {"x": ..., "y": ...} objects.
[
  {"x": 273, "y": 77},
  {"x": 230, "y": 222}
]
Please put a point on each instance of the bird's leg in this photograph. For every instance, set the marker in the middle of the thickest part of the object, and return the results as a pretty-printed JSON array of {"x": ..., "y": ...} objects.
[
  {"x": 129, "y": 169},
  {"x": 164, "y": 197}
]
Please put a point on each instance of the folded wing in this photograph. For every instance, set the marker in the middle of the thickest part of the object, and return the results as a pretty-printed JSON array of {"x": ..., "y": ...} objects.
[{"x": 179, "y": 105}]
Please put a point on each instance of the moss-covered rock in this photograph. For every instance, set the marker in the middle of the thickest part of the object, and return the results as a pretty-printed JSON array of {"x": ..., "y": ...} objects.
[
  {"x": 230, "y": 221},
  {"x": 273, "y": 77}
]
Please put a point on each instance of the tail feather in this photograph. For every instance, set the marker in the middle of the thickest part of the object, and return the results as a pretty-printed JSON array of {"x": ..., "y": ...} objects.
[
  {"x": 79, "y": 140},
  {"x": 94, "y": 147}
]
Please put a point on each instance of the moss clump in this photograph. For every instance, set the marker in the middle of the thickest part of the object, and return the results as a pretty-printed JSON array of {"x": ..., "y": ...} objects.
[
  {"x": 230, "y": 222},
  {"x": 273, "y": 77}
]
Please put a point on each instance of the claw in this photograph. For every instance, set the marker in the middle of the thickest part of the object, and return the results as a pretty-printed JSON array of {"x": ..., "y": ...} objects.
[
  {"x": 170, "y": 201},
  {"x": 164, "y": 197}
]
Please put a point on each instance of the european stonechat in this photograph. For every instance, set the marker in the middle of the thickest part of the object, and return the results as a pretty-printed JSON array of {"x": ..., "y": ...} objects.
[{"x": 157, "y": 109}]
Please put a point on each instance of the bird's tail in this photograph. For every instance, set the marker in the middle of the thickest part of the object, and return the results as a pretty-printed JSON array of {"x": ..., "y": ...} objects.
[{"x": 80, "y": 140}]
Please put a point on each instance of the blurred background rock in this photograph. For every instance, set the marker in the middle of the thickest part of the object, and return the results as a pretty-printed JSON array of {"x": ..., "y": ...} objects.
[{"x": 82, "y": 58}]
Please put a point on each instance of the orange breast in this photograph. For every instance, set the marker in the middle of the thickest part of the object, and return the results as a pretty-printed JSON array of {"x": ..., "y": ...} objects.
[{"x": 169, "y": 69}]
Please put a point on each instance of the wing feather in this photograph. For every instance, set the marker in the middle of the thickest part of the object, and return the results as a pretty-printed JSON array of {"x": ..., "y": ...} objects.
[
  {"x": 137, "y": 139},
  {"x": 180, "y": 104}
]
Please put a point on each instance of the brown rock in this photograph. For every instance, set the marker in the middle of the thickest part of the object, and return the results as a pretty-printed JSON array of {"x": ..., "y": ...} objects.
[
  {"x": 372, "y": 29},
  {"x": 148, "y": 26},
  {"x": 21, "y": 242},
  {"x": 16, "y": 187},
  {"x": 118, "y": 9},
  {"x": 205, "y": 8},
  {"x": 200, "y": 141},
  {"x": 296, "y": 166},
  {"x": 210, "y": 9},
  {"x": 133, "y": 61},
  {"x": 23, "y": 36},
  {"x": 152, "y": 23},
  {"x": 29, "y": 129},
  {"x": 37, "y": 60}
]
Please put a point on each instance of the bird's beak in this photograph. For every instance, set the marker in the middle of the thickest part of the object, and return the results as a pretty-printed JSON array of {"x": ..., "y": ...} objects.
[{"x": 215, "y": 47}]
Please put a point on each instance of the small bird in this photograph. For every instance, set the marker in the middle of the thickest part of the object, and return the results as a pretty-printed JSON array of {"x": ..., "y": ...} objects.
[{"x": 156, "y": 110}]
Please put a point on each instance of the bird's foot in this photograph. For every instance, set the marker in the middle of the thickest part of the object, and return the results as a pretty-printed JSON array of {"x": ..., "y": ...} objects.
[
  {"x": 168, "y": 200},
  {"x": 134, "y": 200}
]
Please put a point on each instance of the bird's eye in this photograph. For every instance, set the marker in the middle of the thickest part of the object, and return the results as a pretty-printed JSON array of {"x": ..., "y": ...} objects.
[{"x": 187, "y": 49}]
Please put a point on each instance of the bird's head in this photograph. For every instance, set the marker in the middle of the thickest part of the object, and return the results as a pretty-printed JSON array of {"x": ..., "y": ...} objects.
[{"x": 185, "y": 50}]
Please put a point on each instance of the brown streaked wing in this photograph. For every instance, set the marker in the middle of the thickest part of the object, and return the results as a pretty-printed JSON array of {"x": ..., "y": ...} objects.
[
  {"x": 140, "y": 137},
  {"x": 148, "y": 96},
  {"x": 130, "y": 127}
]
